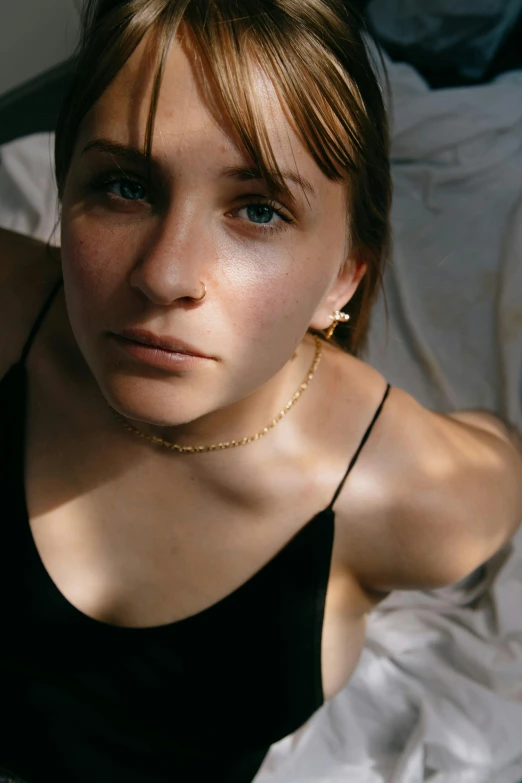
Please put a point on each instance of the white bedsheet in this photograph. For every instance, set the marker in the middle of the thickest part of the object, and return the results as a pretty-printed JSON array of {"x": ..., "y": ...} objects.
[{"x": 437, "y": 694}]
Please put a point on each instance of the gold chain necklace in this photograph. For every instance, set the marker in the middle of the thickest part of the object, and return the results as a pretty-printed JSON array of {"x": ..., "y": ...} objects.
[{"x": 231, "y": 443}]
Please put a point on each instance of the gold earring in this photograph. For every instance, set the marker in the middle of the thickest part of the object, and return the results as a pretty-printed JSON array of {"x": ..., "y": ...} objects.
[{"x": 337, "y": 318}]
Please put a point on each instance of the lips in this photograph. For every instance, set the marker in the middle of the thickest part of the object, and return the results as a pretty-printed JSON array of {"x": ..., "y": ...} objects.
[{"x": 165, "y": 343}]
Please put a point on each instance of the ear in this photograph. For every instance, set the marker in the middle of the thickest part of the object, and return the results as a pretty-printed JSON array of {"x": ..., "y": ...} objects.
[{"x": 342, "y": 290}]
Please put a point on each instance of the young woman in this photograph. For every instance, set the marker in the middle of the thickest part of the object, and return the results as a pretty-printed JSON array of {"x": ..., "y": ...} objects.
[{"x": 187, "y": 570}]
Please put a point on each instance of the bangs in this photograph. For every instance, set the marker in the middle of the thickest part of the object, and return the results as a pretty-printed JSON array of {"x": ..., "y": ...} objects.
[
  {"x": 322, "y": 103},
  {"x": 234, "y": 45}
]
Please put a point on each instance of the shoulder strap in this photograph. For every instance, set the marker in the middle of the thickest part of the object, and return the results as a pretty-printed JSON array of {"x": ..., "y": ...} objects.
[
  {"x": 38, "y": 322},
  {"x": 365, "y": 438}
]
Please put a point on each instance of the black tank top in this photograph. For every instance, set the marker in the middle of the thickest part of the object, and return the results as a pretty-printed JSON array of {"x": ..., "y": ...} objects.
[{"x": 201, "y": 699}]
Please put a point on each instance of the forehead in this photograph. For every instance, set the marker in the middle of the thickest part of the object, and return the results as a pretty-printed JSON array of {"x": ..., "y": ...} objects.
[{"x": 189, "y": 112}]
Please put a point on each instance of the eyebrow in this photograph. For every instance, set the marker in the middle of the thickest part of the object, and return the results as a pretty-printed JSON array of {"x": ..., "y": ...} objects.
[
  {"x": 237, "y": 173},
  {"x": 246, "y": 173},
  {"x": 121, "y": 150}
]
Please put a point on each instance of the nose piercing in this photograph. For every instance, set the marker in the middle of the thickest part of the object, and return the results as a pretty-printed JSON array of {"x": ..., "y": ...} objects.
[{"x": 204, "y": 294}]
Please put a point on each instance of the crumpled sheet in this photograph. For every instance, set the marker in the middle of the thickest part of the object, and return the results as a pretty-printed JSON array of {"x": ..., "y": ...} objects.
[
  {"x": 28, "y": 192},
  {"x": 437, "y": 694}
]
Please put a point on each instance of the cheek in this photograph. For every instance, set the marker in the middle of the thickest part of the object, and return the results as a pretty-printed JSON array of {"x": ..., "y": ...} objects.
[
  {"x": 255, "y": 285},
  {"x": 275, "y": 300},
  {"x": 87, "y": 251},
  {"x": 90, "y": 266},
  {"x": 94, "y": 260}
]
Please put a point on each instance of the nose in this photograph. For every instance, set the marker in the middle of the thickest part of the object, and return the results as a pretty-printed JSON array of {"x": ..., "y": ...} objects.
[{"x": 175, "y": 258}]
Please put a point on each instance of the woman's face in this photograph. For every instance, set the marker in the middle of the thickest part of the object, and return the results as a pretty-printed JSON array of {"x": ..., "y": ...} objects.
[{"x": 135, "y": 256}]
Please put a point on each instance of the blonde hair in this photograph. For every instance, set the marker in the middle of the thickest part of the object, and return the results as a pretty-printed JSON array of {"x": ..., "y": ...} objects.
[{"x": 315, "y": 55}]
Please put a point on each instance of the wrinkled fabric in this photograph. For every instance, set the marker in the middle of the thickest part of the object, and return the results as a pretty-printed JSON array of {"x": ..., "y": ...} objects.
[{"x": 28, "y": 193}]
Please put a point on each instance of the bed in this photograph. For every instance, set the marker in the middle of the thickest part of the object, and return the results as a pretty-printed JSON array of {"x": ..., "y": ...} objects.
[{"x": 437, "y": 694}]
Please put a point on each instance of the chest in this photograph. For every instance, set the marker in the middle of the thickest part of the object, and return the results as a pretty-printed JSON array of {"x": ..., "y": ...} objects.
[{"x": 117, "y": 562}]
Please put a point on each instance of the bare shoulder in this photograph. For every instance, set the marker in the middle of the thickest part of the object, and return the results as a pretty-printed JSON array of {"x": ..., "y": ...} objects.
[
  {"x": 28, "y": 272},
  {"x": 393, "y": 517}
]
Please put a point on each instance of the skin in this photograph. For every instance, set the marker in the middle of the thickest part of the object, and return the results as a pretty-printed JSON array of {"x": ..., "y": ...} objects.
[{"x": 139, "y": 261}]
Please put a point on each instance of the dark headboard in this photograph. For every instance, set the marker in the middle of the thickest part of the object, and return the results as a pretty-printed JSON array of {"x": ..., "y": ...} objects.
[{"x": 34, "y": 107}]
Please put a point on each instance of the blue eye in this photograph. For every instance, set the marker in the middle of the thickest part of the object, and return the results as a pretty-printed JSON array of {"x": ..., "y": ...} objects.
[
  {"x": 260, "y": 213},
  {"x": 130, "y": 190},
  {"x": 264, "y": 214}
]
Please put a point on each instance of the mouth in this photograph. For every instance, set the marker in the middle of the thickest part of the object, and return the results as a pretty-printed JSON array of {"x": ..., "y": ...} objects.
[{"x": 162, "y": 342}]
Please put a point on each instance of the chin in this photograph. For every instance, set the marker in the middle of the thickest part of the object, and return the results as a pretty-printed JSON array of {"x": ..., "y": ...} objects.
[
  {"x": 142, "y": 402},
  {"x": 141, "y": 418}
]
